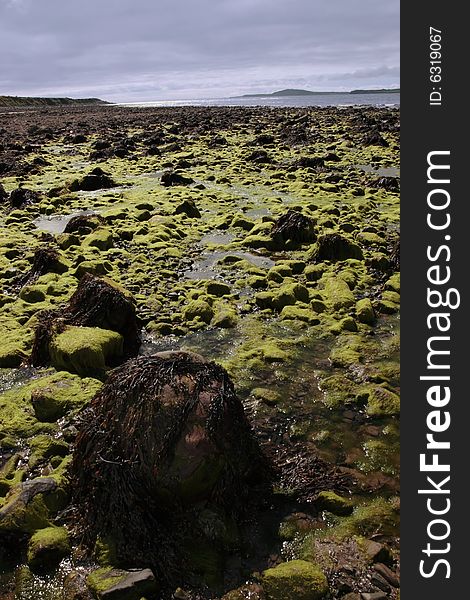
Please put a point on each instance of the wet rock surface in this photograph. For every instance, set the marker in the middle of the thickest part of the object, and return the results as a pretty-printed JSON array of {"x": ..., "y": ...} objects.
[{"x": 264, "y": 240}]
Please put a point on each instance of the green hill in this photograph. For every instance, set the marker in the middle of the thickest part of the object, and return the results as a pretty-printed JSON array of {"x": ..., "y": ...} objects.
[{"x": 23, "y": 101}]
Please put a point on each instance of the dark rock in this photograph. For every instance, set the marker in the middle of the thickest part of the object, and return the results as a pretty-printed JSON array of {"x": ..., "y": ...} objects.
[
  {"x": 21, "y": 197},
  {"x": 294, "y": 226},
  {"x": 374, "y": 138},
  {"x": 97, "y": 179},
  {"x": 387, "y": 574},
  {"x": 116, "y": 584},
  {"x": 264, "y": 139},
  {"x": 309, "y": 162},
  {"x": 188, "y": 208},
  {"x": 164, "y": 433},
  {"x": 259, "y": 156},
  {"x": 390, "y": 184},
  {"x": 84, "y": 223},
  {"x": 80, "y": 138},
  {"x": 170, "y": 178},
  {"x": 97, "y": 302},
  {"x": 335, "y": 247}
]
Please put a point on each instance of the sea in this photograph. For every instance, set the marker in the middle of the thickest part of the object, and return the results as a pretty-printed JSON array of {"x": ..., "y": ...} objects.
[{"x": 333, "y": 99}]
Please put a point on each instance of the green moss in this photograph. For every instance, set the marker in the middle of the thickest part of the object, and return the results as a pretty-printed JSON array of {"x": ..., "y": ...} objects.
[
  {"x": 33, "y": 293},
  {"x": 333, "y": 503},
  {"x": 377, "y": 516},
  {"x": 337, "y": 292},
  {"x": 382, "y": 402},
  {"x": 100, "y": 238},
  {"x": 393, "y": 283},
  {"x": 85, "y": 350},
  {"x": 217, "y": 288},
  {"x": 226, "y": 318},
  {"x": 365, "y": 311},
  {"x": 294, "y": 580},
  {"x": 300, "y": 313},
  {"x": 44, "y": 447},
  {"x": 338, "y": 391},
  {"x": 47, "y": 547},
  {"x": 53, "y": 396},
  {"x": 18, "y": 517},
  {"x": 198, "y": 309},
  {"x": 266, "y": 395}
]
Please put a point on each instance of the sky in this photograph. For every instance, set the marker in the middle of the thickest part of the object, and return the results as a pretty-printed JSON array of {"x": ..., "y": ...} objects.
[{"x": 150, "y": 50}]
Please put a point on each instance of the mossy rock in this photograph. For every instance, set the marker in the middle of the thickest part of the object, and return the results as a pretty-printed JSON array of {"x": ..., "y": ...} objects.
[
  {"x": 33, "y": 293},
  {"x": 225, "y": 318},
  {"x": 377, "y": 516},
  {"x": 334, "y": 503},
  {"x": 338, "y": 391},
  {"x": 300, "y": 313},
  {"x": 294, "y": 580},
  {"x": 382, "y": 402},
  {"x": 266, "y": 395},
  {"x": 393, "y": 283},
  {"x": 116, "y": 584},
  {"x": 365, "y": 312},
  {"x": 47, "y": 547},
  {"x": 198, "y": 309},
  {"x": 85, "y": 350},
  {"x": 100, "y": 238},
  {"x": 217, "y": 288},
  {"x": 337, "y": 292},
  {"x": 44, "y": 447},
  {"x": 25, "y": 508},
  {"x": 53, "y": 396}
]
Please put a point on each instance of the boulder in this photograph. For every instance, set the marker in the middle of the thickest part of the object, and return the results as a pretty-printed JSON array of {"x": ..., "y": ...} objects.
[{"x": 294, "y": 580}]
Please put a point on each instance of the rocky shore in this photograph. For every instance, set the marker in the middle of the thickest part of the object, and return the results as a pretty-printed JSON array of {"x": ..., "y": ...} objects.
[{"x": 199, "y": 364}]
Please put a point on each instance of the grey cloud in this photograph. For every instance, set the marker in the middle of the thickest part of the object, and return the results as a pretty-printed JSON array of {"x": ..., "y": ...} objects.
[{"x": 155, "y": 49}]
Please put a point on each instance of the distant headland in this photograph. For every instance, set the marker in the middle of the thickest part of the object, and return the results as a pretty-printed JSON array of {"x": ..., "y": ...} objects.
[
  {"x": 23, "y": 101},
  {"x": 296, "y": 92}
]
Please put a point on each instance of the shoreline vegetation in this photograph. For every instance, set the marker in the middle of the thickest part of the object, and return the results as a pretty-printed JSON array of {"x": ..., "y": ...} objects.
[
  {"x": 26, "y": 101},
  {"x": 199, "y": 366}
]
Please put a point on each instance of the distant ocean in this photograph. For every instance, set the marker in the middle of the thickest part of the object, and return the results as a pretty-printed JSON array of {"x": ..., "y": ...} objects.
[{"x": 385, "y": 99}]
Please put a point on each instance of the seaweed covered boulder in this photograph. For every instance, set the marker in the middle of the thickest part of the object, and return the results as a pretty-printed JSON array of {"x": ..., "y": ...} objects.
[
  {"x": 45, "y": 260},
  {"x": 97, "y": 179},
  {"x": 335, "y": 247},
  {"x": 293, "y": 227},
  {"x": 163, "y": 442},
  {"x": 98, "y": 303},
  {"x": 22, "y": 197}
]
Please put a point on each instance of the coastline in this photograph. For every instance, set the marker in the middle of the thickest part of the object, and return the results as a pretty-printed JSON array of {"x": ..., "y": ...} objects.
[{"x": 307, "y": 328}]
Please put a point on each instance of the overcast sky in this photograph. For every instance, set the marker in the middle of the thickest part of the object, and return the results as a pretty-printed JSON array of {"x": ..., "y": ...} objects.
[{"x": 130, "y": 50}]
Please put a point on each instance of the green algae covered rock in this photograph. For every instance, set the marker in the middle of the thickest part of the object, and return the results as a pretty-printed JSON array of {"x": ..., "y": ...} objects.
[
  {"x": 300, "y": 313},
  {"x": 382, "y": 402},
  {"x": 53, "y": 396},
  {"x": 295, "y": 580},
  {"x": 365, "y": 312},
  {"x": 337, "y": 292},
  {"x": 198, "y": 308},
  {"x": 333, "y": 503},
  {"x": 225, "y": 318},
  {"x": 116, "y": 584},
  {"x": 47, "y": 547},
  {"x": 85, "y": 350},
  {"x": 25, "y": 507}
]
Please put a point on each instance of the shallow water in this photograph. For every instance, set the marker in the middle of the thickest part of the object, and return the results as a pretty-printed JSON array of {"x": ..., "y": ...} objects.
[
  {"x": 57, "y": 223},
  {"x": 205, "y": 266},
  {"x": 380, "y": 171}
]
